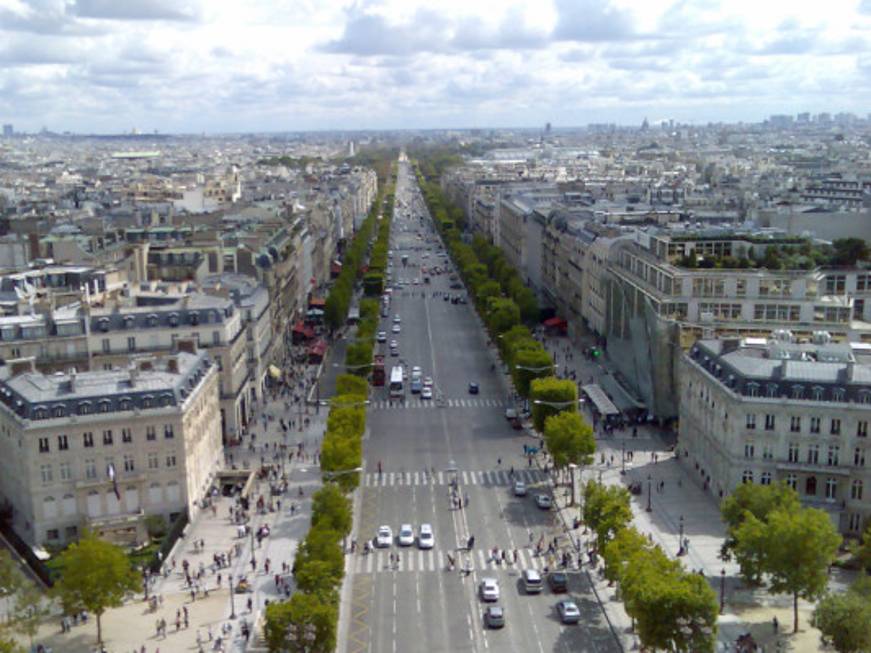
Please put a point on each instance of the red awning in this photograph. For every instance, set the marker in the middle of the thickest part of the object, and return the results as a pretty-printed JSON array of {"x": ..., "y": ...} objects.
[
  {"x": 335, "y": 267},
  {"x": 556, "y": 322},
  {"x": 299, "y": 327},
  {"x": 318, "y": 302}
]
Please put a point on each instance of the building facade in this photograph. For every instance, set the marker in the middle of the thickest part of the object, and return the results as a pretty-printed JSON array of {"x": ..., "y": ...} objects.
[
  {"x": 155, "y": 426},
  {"x": 758, "y": 410}
]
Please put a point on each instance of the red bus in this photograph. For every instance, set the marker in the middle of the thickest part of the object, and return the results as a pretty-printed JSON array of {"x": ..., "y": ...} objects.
[{"x": 378, "y": 370}]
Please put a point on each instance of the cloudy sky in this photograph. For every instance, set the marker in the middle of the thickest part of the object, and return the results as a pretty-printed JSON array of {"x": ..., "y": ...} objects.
[{"x": 271, "y": 65}]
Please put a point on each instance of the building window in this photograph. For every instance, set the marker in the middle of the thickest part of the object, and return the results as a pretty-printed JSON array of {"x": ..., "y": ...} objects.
[
  {"x": 818, "y": 393},
  {"x": 107, "y": 347},
  {"x": 216, "y": 337},
  {"x": 150, "y": 433},
  {"x": 767, "y": 452},
  {"x": 168, "y": 432},
  {"x": 765, "y": 478},
  {"x": 749, "y": 450},
  {"x": 170, "y": 459},
  {"x": 107, "y": 437},
  {"x": 131, "y": 343},
  {"x": 88, "y": 439},
  {"x": 129, "y": 464},
  {"x": 63, "y": 442},
  {"x": 152, "y": 460},
  {"x": 90, "y": 468},
  {"x": 862, "y": 429},
  {"x": 126, "y": 435},
  {"x": 752, "y": 389},
  {"x": 838, "y": 394},
  {"x": 815, "y": 425},
  {"x": 810, "y": 486},
  {"x": 771, "y": 390},
  {"x": 769, "y": 422},
  {"x": 797, "y": 391},
  {"x": 831, "y": 488},
  {"x": 45, "y": 473},
  {"x": 793, "y": 452},
  {"x": 795, "y": 424},
  {"x": 859, "y": 457},
  {"x": 834, "y": 454},
  {"x": 836, "y": 426},
  {"x": 751, "y": 421},
  {"x": 856, "y": 490},
  {"x": 792, "y": 481},
  {"x": 52, "y": 534},
  {"x": 747, "y": 476},
  {"x": 855, "y": 522},
  {"x": 864, "y": 397},
  {"x": 43, "y": 445},
  {"x": 65, "y": 472},
  {"x": 813, "y": 454}
]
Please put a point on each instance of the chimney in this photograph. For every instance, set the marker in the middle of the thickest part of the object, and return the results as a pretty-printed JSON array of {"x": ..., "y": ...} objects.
[
  {"x": 22, "y": 365},
  {"x": 186, "y": 344},
  {"x": 172, "y": 364},
  {"x": 72, "y": 376},
  {"x": 134, "y": 375}
]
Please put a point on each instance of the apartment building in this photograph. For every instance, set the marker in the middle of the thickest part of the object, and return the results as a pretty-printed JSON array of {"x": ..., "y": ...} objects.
[
  {"x": 154, "y": 322},
  {"x": 154, "y": 426},
  {"x": 756, "y": 410}
]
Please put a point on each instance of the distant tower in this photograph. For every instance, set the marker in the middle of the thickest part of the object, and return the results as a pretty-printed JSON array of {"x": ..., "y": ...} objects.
[
  {"x": 645, "y": 125},
  {"x": 547, "y": 128},
  {"x": 8, "y": 132},
  {"x": 350, "y": 148}
]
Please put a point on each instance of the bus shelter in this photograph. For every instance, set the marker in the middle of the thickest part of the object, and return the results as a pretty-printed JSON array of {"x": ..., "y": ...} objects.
[{"x": 602, "y": 404}]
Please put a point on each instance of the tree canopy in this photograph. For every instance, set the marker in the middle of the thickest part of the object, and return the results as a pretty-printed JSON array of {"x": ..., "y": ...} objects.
[{"x": 551, "y": 395}]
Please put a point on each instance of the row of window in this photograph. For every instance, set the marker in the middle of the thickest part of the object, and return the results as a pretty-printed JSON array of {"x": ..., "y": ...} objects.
[
  {"x": 152, "y": 320},
  {"x": 63, "y": 441},
  {"x": 103, "y": 406},
  {"x": 106, "y": 343},
  {"x": 814, "y": 424},
  {"x": 857, "y": 487},
  {"x": 65, "y": 470},
  {"x": 833, "y": 457}
]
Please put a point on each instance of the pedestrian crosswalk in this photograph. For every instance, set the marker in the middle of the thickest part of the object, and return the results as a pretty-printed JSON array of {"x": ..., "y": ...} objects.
[
  {"x": 485, "y": 478},
  {"x": 416, "y": 560},
  {"x": 409, "y": 403}
]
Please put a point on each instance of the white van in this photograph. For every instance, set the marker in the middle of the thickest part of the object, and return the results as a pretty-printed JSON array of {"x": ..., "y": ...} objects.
[{"x": 532, "y": 581}]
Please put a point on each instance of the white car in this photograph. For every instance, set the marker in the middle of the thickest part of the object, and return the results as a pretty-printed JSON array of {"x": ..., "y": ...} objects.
[
  {"x": 416, "y": 371},
  {"x": 396, "y": 328},
  {"x": 427, "y": 382},
  {"x": 425, "y": 538},
  {"x": 519, "y": 489},
  {"x": 543, "y": 501},
  {"x": 384, "y": 537},
  {"x": 394, "y": 344},
  {"x": 406, "y": 535},
  {"x": 382, "y": 336},
  {"x": 568, "y": 612},
  {"x": 489, "y": 589},
  {"x": 396, "y": 319},
  {"x": 426, "y": 393}
]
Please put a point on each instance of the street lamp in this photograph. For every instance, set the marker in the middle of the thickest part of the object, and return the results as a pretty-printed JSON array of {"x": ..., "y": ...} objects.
[
  {"x": 557, "y": 404},
  {"x": 622, "y": 457},
  {"x": 722, "y": 590},
  {"x": 343, "y": 404},
  {"x": 232, "y": 600},
  {"x": 329, "y": 476},
  {"x": 649, "y": 487}
]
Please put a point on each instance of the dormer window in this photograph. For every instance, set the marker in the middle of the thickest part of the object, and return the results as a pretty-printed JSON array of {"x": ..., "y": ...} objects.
[
  {"x": 838, "y": 394},
  {"x": 128, "y": 321},
  {"x": 59, "y": 411},
  {"x": 125, "y": 403},
  {"x": 40, "y": 413},
  {"x": 173, "y": 319},
  {"x": 798, "y": 392},
  {"x": 104, "y": 324},
  {"x": 771, "y": 390},
  {"x": 85, "y": 408},
  {"x": 104, "y": 406},
  {"x": 195, "y": 319},
  {"x": 147, "y": 401},
  {"x": 752, "y": 389},
  {"x": 817, "y": 392},
  {"x": 152, "y": 319}
]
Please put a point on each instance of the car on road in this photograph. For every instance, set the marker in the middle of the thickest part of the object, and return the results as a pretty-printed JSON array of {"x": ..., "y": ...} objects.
[
  {"x": 519, "y": 489},
  {"x": 568, "y": 612},
  {"x": 456, "y": 285},
  {"x": 394, "y": 351},
  {"x": 384, "y": 537},
  {"x": 425, "y": 538},
  {"x": 406, "y": 535},
  {"x": 543, "y": 501},
  {"x": 426, "y": 393},
  {"x": 394, "y": 344},
  {"x": 533, "y": 583},
  {"x": 382, "y": 336},
  {"x": 494, "y": 616},
  {"x": 473, "y": 388},
  {"x": 558, "y": 582},
  {"x": 397, "y": 319},
  {"x": 416, "y": 386},
  {"x": 396, "y": 328},
  {"x": 489, "y": 589},
  {"x": 427, "y": 382}
]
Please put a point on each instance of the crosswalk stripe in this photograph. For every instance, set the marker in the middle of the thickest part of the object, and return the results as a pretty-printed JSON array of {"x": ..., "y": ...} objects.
[
  {"x": 465, "y": 478},
  {"x": 441, "y": 478},
  {"x": 486, "y": 478}
]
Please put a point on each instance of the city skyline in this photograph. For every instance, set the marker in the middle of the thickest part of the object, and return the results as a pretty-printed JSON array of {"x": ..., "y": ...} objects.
[{"x": 93, "y": 66}]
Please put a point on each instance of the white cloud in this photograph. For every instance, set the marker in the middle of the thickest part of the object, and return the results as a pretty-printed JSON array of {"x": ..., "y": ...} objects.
[{"x": 191, "y": 65}]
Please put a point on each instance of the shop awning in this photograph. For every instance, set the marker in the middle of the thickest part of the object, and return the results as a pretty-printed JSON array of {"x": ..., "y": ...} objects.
[
  {"x": 621, "y": 397},
  {"x": 318, "y": 348},
  {"x": 317, "y": 302},
  {"x": 335, "y": 267},
  {"x": 556, "y": 323},
  {"x": 274, "y": 372},
  {"x": 600, "y": 400}
]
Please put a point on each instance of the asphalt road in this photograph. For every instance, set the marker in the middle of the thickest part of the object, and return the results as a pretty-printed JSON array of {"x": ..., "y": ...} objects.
[{"x": 417, "y": 604}]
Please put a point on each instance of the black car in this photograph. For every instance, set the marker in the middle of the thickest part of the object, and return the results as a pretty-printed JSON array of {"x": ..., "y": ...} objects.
[
  {"x": 473, "y": 388},
  {"x": 456, "y": 285},
  {"x": 558, "y": 581}
]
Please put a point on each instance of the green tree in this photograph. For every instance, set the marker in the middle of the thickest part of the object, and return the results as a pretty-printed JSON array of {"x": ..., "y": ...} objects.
[
  {"x": 622, "y": 547},
  {"x": 529, "y": 364},
  {"x": 29, "y": 610},
  {"x": 97, "y": 575},
  {"x": 316, "y": 577},
  {"x": 678, "y": 612},
  {"x": 606, "y": 511},
  {"x": 759, "y": 501},
  {"x": 502, "y": 315},
  {"x": 358, "y": 357},
  {"x": 549, "y": 396},
  {"x": 569, "y": 439},
  {"x": 373, "y": 284},
  {"x": 324, "y": 545},
  {"x": 349, "y": 384},
  {"x": 849, "y": 251},
  {"x": 845, "y": 620},
  {"x": 10, "y": 577},
  {"x": 303, "y": 624},
  {"x": 794, "y": 548},
  {"x": 331, "y": 509}
]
